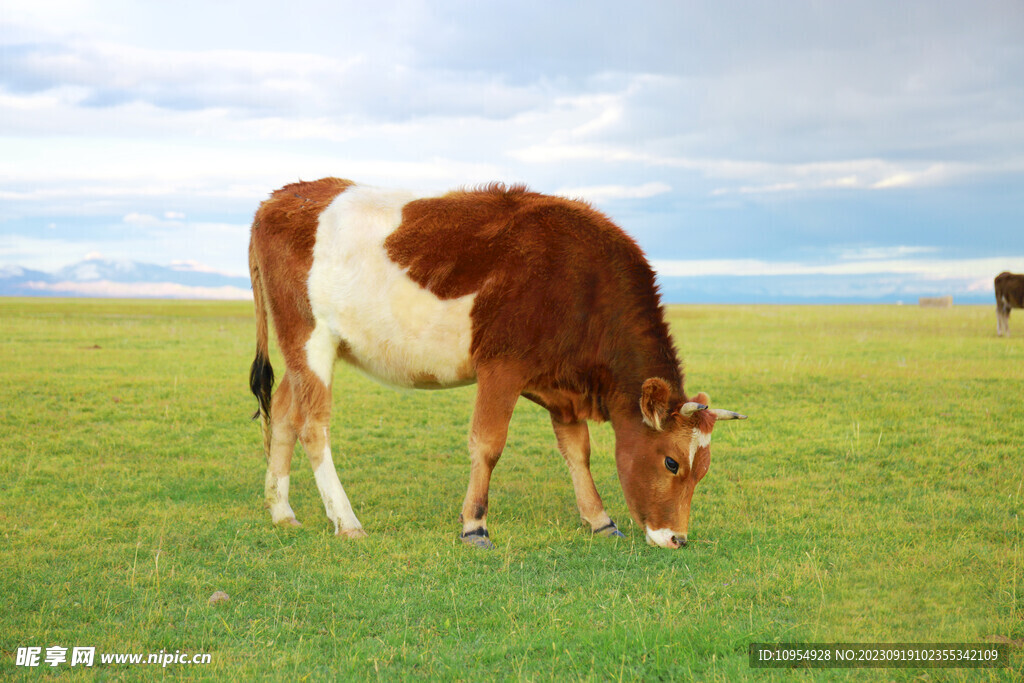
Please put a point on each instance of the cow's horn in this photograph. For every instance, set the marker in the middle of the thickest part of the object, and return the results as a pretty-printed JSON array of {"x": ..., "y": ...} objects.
[
  {"x": 690, "y": 408},
  {"x": 726, "y": 414}
]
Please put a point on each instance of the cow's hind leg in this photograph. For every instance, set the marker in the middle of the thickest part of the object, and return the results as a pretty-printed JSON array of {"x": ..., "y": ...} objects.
[
  {"x": 574, "y": 445},
  {"x": 279, "y": 460},
  {"x": 497, "y": 392},
  {"x": 314, "y": 396}
]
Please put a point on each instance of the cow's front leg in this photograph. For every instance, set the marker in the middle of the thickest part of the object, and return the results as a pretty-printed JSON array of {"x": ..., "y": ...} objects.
[
  {"x": 574, "y": 445},
  {"x": 497, "y": 391}
]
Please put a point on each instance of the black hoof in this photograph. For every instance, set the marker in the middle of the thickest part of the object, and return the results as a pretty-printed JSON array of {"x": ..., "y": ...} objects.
[
  {"x": 477, "y": 538},
  {"x": 609, "y": 530}
]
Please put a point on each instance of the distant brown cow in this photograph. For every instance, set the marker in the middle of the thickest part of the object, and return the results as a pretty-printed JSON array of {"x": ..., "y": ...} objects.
[
  {"x": 524, "y": 294},
  {"x": 1009, "y": 294}
]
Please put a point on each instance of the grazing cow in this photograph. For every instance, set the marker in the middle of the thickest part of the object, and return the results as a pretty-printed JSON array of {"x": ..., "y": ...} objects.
[
  {"x": 525, "y": 294},
  {"x": 1009, "y": 294}
]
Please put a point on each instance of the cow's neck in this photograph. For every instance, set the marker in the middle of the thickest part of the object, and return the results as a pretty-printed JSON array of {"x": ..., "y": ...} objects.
[
  {"x": 649, "y": 355},
  {"x": 626, "y": 344}
]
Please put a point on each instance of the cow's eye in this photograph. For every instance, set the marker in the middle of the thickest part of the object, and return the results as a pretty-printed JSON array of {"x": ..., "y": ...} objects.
[{"x": 672, "y": 465}]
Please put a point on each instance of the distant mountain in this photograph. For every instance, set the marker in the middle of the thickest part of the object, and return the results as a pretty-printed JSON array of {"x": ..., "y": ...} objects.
[
  {"x": 130, "y": 279},
  {"x": 818, "y": 289},
  {"x": 124, "y": 279},
  {"x": 14, "y": 280}
]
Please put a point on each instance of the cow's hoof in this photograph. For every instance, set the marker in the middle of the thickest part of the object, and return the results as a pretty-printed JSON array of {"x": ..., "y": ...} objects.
[
  {"x": 477, "y": 538},
  {"x": 609, "y": 530},
  {"x": 479, "y": 542},
  {"x": 289, "y": 522},
  {"x": 352, "y": 533}
]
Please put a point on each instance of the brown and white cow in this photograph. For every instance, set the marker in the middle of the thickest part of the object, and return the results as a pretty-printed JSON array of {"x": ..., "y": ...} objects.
[
  {"x": 1009, "y": 294},
  {"x": 524, "y": 294}
]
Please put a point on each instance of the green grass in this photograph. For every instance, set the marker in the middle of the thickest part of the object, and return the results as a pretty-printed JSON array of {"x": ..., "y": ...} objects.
[{"x": 874, "y": 494}]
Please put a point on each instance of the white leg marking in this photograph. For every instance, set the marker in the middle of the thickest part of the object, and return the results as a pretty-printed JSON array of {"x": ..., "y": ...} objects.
[
  {"x": 336, "y": 503},
  {"x": 276, "y": 494}
]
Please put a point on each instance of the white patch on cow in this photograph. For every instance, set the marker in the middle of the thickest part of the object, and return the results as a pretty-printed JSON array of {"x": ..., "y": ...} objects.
[
  {"x": 661, "y": 537},
  {"x": 276, "y": 493},
  {"x": 393, "y": 328},
  {"x": 321, "y": 352},
  {"x": 336, "y": 504},
  {"x": 698, "y": 440}
]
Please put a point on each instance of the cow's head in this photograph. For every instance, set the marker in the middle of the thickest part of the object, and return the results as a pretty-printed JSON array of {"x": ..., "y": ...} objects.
[{"x": 661, "y": 460}]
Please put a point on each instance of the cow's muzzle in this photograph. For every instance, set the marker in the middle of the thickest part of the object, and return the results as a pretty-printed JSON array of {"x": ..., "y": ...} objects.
[{"x": 665, "y": 538}]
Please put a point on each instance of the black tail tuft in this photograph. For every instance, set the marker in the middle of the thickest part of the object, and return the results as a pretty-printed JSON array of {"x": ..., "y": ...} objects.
[{"x": 261, "y": 381}]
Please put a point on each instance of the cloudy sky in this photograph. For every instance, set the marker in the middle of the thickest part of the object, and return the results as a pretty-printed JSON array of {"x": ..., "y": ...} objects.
[{"x": 856, "y": 151}]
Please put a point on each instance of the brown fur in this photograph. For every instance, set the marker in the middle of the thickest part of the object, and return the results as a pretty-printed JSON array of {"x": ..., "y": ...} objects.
[
  {"x": 280, "y": 256},
  {"x": 559, "y": 287},
  {"x": 281, "y": 253},
  {"x": 654, "y": 401},
  {"x": 566, "y": 313},
  {"x": 1009, "y": 294}
]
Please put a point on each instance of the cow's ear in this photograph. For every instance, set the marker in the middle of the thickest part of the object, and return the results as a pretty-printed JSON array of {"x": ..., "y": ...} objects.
[
  {"x": 702, "y": 398},
  {"x": 654, "y": 402}
]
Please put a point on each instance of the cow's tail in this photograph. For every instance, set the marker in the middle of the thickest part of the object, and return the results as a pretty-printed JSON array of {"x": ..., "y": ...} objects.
[{"x": 261, "y": 375}]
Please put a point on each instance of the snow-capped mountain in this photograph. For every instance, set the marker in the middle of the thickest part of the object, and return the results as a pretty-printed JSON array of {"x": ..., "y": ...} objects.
[{"x": 128, "y": 279}]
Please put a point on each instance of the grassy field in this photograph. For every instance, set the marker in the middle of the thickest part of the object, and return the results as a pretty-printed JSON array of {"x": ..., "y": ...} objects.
[{"x": 874, "y": 495}]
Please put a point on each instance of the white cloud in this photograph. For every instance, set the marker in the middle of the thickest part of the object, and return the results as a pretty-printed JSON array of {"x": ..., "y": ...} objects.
[
  {"x": 882, "y": 253},
  {"x": 58, "y": 175},
  {"x": 142, "y": 219},
  {"x": 602, "y": 193},
  {"x": 761, "y": 177},
  {"x": 157, "y": 125},
  {"x": 43, "y": 254},
  {"x": 327, "y": 94}
]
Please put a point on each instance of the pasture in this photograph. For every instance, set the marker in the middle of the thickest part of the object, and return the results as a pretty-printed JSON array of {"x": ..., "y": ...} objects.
[{"x": 874, "y": 495}]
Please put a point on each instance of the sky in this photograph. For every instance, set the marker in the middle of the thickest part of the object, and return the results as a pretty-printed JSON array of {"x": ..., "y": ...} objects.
[{"x": 767, "y": 151}]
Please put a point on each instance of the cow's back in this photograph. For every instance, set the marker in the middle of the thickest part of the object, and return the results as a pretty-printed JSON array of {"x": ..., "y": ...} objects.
[
  {"x": 553, "y": 278},
  {"x": 419, "y": 290},
  {"x": 385, "y": 322}
]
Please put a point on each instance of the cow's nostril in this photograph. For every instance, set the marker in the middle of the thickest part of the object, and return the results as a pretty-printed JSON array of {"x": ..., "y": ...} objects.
[{"x": 681, "y": 540}]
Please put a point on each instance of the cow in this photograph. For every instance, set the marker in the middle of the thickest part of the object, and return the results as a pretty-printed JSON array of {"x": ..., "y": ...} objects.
[
  {"x": 524, "y": 294},
  {"x": 1009, "y": 294}
]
